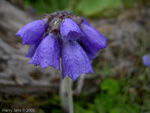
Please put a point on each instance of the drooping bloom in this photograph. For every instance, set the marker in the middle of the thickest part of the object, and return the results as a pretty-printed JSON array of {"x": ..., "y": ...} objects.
[
  {"x": 146, "y": 60},
  {"x": 33, "y": 32},
  {"x": 74, "y": 60},
  {"x": 62, "y": 35}
]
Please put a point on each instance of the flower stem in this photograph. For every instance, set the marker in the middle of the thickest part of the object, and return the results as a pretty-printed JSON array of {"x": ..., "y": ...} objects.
[{"x": 70, "y": 99}]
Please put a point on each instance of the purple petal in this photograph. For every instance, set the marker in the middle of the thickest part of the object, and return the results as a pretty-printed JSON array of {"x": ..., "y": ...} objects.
[
  {"x": 69, "y": 30},
  {"x": 60, "y": 43},
  {"x": 32, "y": 50},
  {"x": 146, "y": 60},
  {"x": 91, "y": 56},
  {"x": 92, "y": 41},
  {"x": 32, "y": 32},
  {"x": 75, "y": 62},
  {"x": 47, "y": 53}
]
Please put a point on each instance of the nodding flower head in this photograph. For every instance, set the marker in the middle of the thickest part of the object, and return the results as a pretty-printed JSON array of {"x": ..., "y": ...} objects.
[
  {"x": 146, "y": 60},
  {"x": 64, "y": 35}
]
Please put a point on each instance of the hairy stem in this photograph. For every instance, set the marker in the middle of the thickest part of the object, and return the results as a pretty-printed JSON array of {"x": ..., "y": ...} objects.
[{"x": 70, "y": 98}]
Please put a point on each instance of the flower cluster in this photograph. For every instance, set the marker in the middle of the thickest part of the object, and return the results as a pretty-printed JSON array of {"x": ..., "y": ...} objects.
[
  {"x": 146, "y": 60},
  {"x": 62, "y": 35}
]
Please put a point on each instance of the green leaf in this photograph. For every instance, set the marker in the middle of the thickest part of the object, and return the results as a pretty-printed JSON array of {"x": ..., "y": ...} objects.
[
  {"x": 110, "y": 85},
  {"x": 115, "y": 110},
  {"x": 92, "y": 7}
]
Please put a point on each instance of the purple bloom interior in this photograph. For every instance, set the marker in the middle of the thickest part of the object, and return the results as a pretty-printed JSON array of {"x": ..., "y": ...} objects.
[
  {"x": 60, "y": 43},
  {"x": 63, "y": 35},
  {"x": 70, "y": 30}
]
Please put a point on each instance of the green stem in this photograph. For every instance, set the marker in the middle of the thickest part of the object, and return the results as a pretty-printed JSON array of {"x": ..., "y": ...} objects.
[{"x": 70, "y": 99}]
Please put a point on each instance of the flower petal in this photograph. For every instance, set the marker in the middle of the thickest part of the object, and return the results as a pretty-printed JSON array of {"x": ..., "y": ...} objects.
[
  {"x": 47, "y": 53},
  {"x": 32, "y": 50},
  {"x": 74, "y": 61},
  {"x": 91, "y": 56},
  {"x": 146, "y": 60},
  {"x": 60, "y": 43},
  {"x": 92, "y": 41},
  {"x": 32, "y": 32},
  {"x": 69, "y": 30}
]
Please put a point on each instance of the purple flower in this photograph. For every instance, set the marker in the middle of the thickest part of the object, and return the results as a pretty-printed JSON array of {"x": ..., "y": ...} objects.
[
  {"x": 92, "y": 41},
  {"x": 32, "y": 33},
  {"x": 69, "y": 30},
  {"x": 62, "y": 35},
  {"x": 47, "y": 53},
  {"x": 74, "y": 61},
  {"x": 146, "y": 60}
]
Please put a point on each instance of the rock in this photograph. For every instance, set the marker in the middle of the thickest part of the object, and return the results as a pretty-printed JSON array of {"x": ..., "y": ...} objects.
[{"x": 16, "y": 75}]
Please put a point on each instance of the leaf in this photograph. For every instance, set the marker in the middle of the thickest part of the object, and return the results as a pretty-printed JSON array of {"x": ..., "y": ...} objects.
[
  {"x": 115, "y": 110},
  {"x": 91, "y": 7},
  {"x": 110, "y": 85}
]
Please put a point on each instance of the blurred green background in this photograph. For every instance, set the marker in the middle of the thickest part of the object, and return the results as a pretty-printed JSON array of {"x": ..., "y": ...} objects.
[
  {"x": 86, "y": 8},
  {"x": 123, "y": 93}
]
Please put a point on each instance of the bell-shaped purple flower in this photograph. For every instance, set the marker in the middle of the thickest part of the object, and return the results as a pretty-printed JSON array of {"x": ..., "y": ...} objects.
[
  {"x": 63, "y": 35},
  {"x": 75, "y": 61},
  {"x": 33, "y": 32},
  {"x": 69, "y": 30},
  {"x": 92, "y": 41},
  {"x": 47, "y": 53},
  {"x": 146, "y": 60}
]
